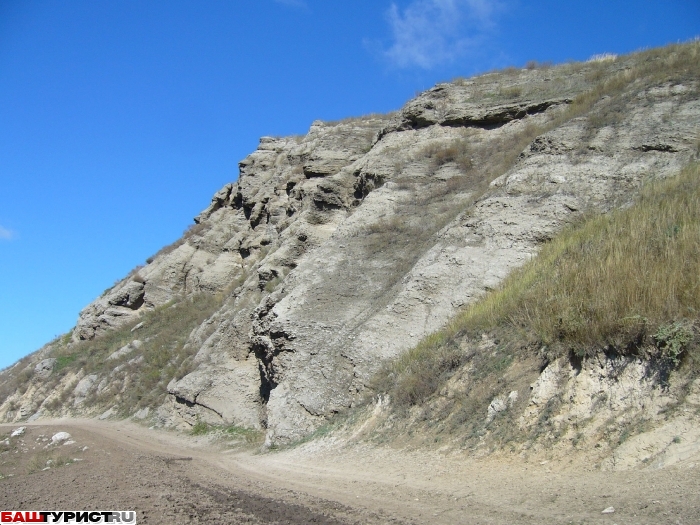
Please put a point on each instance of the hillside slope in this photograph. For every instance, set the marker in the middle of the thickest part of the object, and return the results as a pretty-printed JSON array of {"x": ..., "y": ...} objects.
[
  {"x": 339, "y": 250},
  {"x": 593, "y": 344}
]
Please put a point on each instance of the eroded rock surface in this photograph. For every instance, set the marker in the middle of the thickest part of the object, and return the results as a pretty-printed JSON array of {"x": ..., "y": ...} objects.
[{"x": 345, "y": 247}]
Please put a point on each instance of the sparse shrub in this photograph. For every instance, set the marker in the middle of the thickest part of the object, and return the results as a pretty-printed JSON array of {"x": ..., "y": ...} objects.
[
  {"x": 360, "y": 119},
  {"x": 510, "y": 92},
  {"x": 367, "y": 140},
  {"x": 272, "y": 284},
  {"x": 596, "y": 74},
  {"x": 459, "y": 183},
  {"x": 191, "y": 231},
  {"x": 249, "y": 435},
  {"x": 673, "y": 339},
  {"x": 400, "y": 164},
  {"x": 608, "y": 115},
  {"x": 47, "y": 460},
  {"x": 415, "y": 375},
  {"x": 134, "y": 275},
  {"x": 57, "y": 402},
  {"x": 196, "y": 229},
  {"x": 441, "y": 153},
  {"x": 63, "y": 361},
  {"x": 200, "y": 428},
  {"x": 677, "y": 63},
  {"x": 23, "y": 379},
  {"x": 603, "y": 57},
  {"x": 164, "y": 355}
]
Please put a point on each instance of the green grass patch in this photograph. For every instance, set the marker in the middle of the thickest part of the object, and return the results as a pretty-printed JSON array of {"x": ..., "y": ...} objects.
[
  {"x": 200, "y": 428},
  {"x": 249, "y": 435},
  {"x": 63, "y": 361},
  {"x": 234, "y": 432}
]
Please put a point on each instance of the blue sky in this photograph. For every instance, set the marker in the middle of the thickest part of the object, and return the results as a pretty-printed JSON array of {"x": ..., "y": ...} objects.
[{"x": 120, "y": 118}]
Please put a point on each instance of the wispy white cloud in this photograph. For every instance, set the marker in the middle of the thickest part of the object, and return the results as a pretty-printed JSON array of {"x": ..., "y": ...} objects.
[
  {"x": 6, "y": 235},
  {"x": 293, "y": 3},
  {"x": 431, "y": 32}
]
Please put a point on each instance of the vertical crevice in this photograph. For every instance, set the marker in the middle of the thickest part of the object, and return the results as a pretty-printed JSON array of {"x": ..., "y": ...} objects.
[{"x": 267, "y": 383}]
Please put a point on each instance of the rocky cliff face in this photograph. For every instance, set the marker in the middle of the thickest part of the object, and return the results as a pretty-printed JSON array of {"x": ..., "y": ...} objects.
[{"x": 337, "y": 250}]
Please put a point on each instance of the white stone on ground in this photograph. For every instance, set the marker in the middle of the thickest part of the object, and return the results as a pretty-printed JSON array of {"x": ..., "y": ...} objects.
[{"x": 60, "y": 436}]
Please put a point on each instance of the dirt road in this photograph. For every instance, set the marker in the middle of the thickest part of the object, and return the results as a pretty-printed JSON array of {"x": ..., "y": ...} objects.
[{"x": 171, "y": 478}]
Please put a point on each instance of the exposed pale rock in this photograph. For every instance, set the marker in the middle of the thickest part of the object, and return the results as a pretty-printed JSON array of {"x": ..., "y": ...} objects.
[
  {"x": 83, "y": 388},
  {"x": 497, "y": 405},
  {"x": 110, "y": 412},
  {"x": 314, "y": 345},
  {"x": 229, "y": 392},
  {"x": 500, "y": 404},
  {"x": 142, "y": 414},
  {"x": 59, "y": 437},
  {"x": 26, "y": 409},
  {"x": 135, "y": 360},
  {"x": 345, "y": 247},
  {"x": 44, "y": 368},
  {"x": 126, "y": 349}
]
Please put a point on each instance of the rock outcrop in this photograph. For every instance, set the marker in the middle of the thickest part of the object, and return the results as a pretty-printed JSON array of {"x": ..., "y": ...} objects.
[{"x": 345, "y": 247}]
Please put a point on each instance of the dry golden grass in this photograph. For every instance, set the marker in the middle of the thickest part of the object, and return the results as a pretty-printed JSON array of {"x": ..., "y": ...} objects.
[
  {"x": 457, "y": 151},
  {"x": 670, "y": 64},
  {"x": 417, "y": 374},
  {"x": 192, "y": 230},
  {"x": 613, "y": 278},
  {"x": 164, "y": 355},
  {"x": 589, "y": 82},
  {"x": 623, "y": 282}
]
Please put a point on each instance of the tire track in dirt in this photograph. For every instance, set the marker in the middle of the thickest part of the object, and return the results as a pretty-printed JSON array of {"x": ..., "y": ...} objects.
[{"x": 173, "y": 478}]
